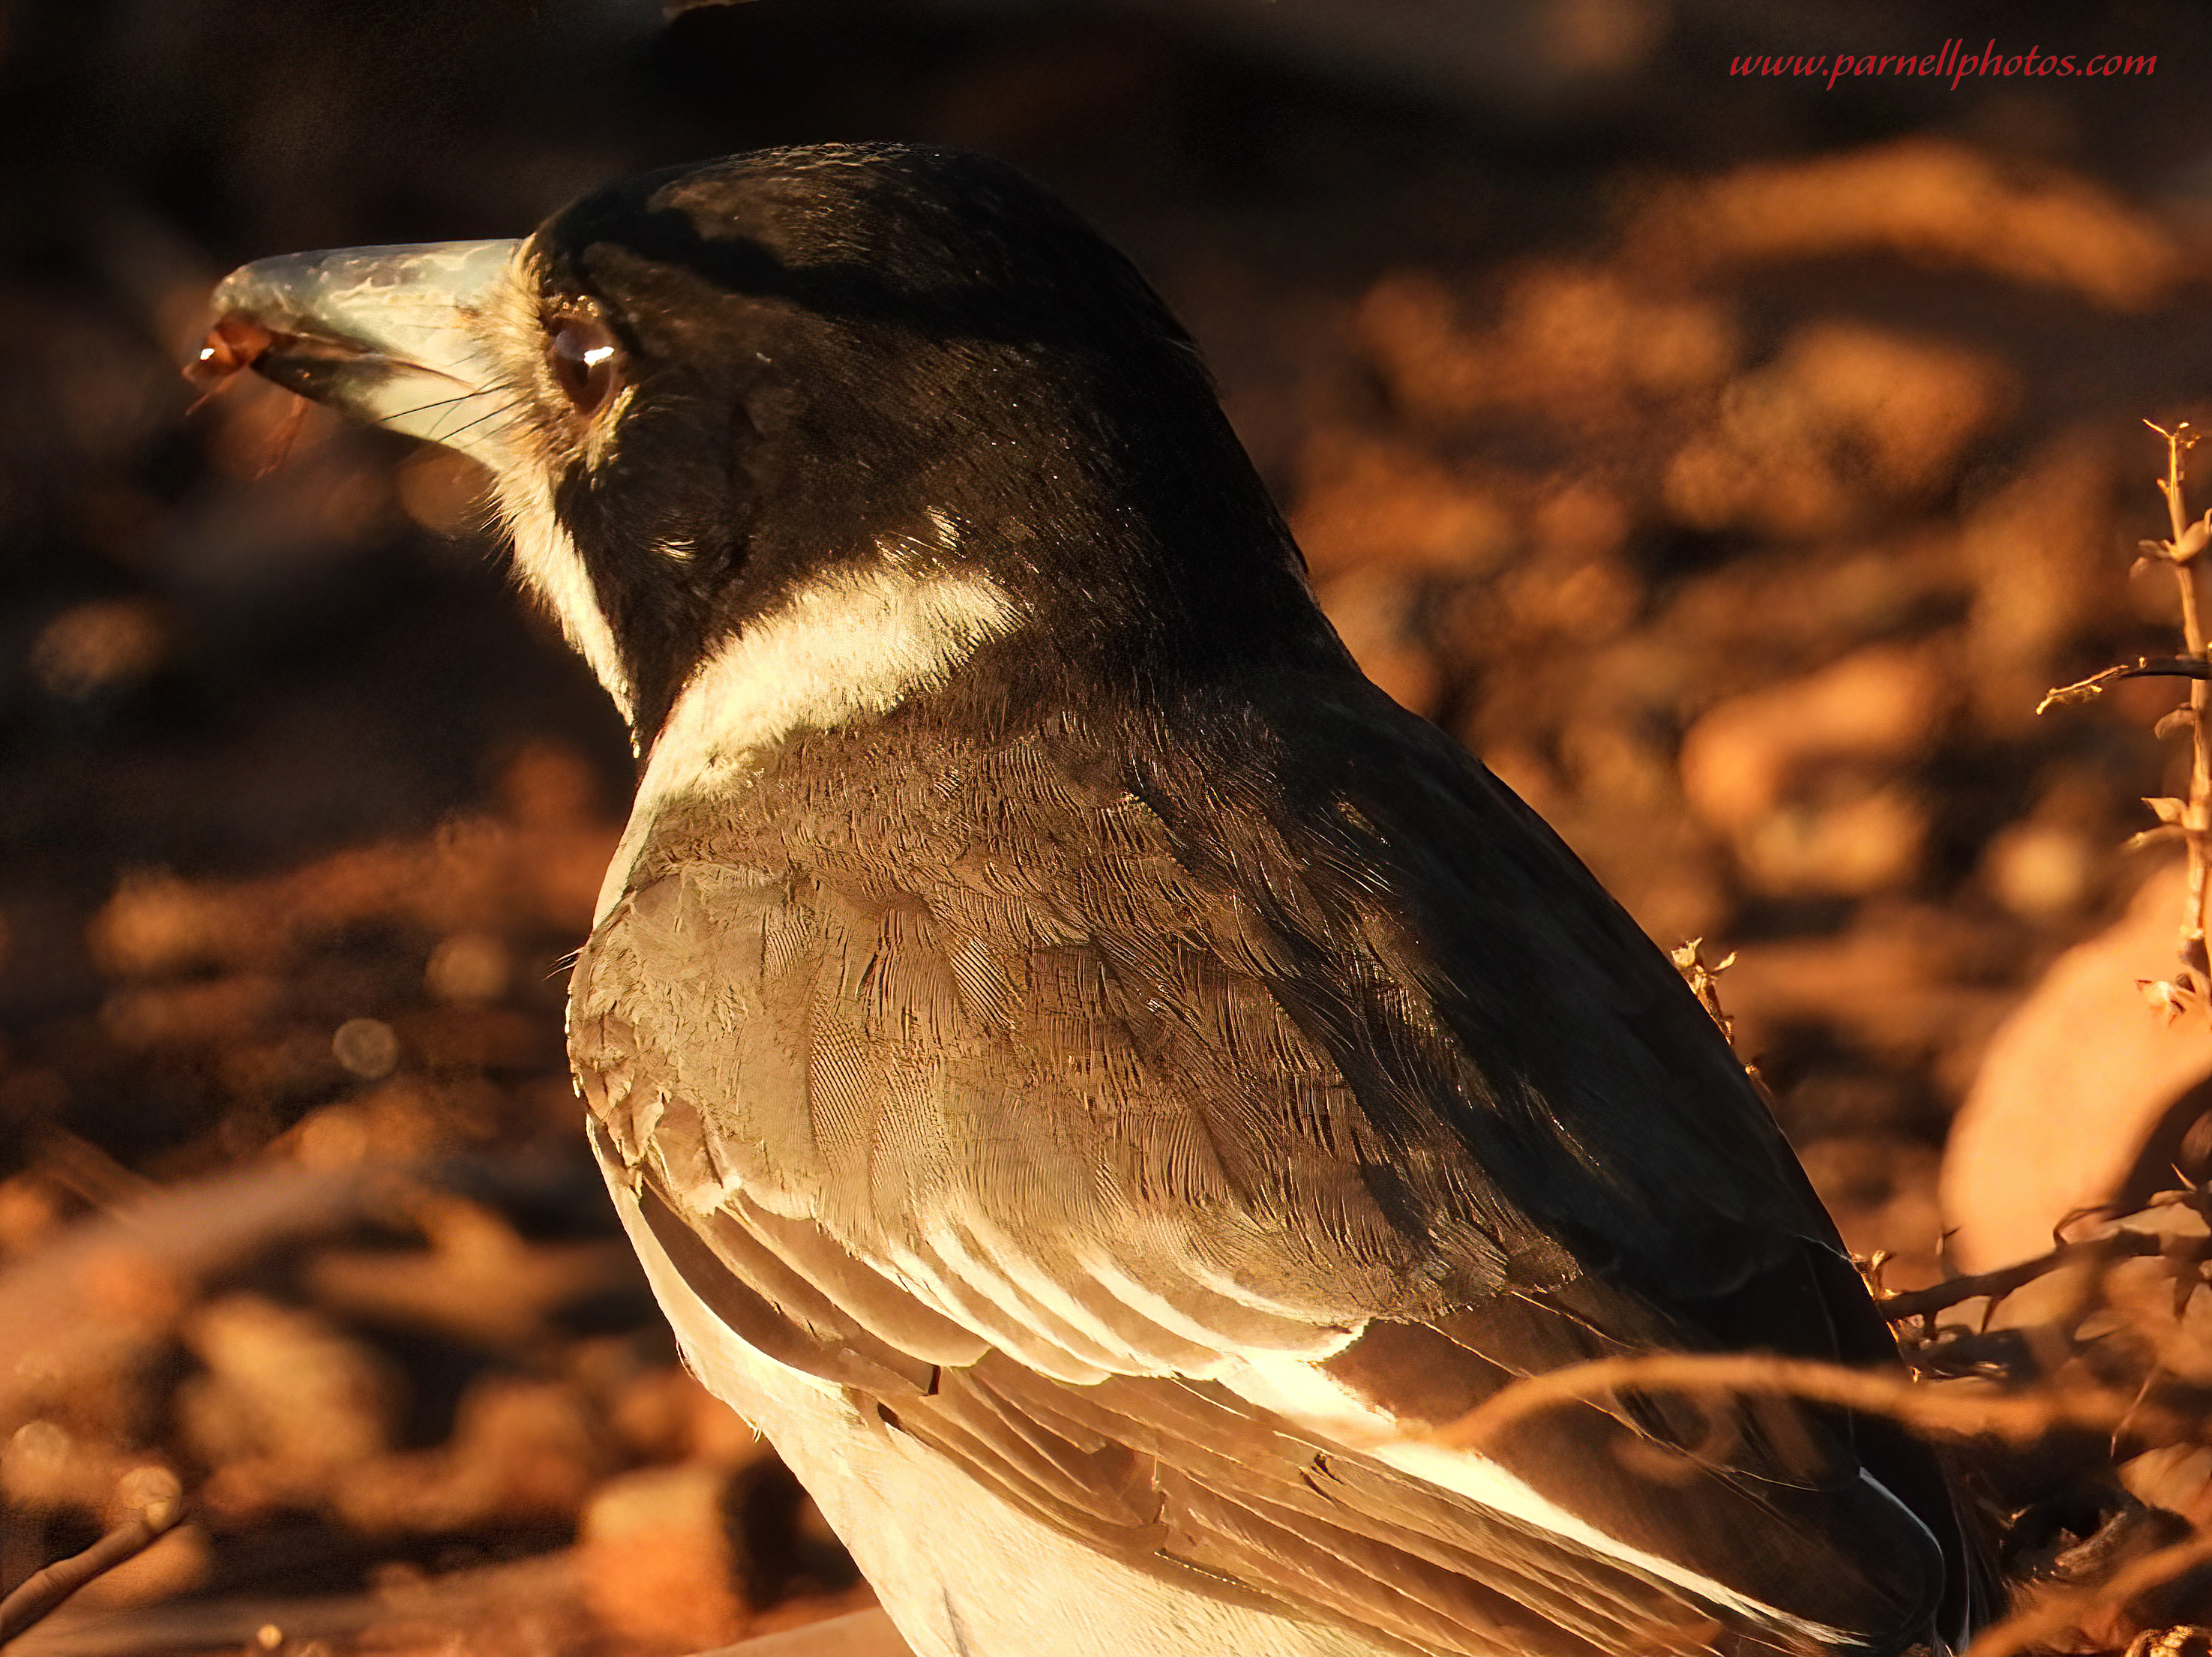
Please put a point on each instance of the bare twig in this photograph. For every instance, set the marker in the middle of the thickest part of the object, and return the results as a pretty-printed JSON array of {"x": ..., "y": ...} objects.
[
  {"x": 2169, "y": 1642},
  {"x": 1995, "y": 1285},
  {"x": 2187, "y": 991},
  {"x": 156, "y": 1502},
  {"x": 2190, "y": 819},
  {"x": 2144, "y": 667},
  {"x": 1961, "y": 1407},
  {"x": 1703, "y": 976},
  {"x": 2196, "y": 816},
  {"x": 2081, "y": 691}
]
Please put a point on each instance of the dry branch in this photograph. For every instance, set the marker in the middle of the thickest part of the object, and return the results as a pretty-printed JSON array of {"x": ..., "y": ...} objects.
[
  {"x": 2119, "y": 1243},
  {"x": 1964, "y": 1408},
  {"x": 2189, "y": 821},
  {"x": 155, "y": 1500}
]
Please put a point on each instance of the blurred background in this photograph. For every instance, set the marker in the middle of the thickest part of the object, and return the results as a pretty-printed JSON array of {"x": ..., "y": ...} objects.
[{"x": 1731, "y": 460}]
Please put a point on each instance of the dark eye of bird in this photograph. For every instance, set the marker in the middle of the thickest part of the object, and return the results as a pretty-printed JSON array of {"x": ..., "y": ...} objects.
[{"x": 586, "y": 359}]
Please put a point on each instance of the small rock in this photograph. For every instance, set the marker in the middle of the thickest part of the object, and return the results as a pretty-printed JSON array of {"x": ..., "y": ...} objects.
[
  {"x": 2040, "y": 871},
  {"x": 2071, "y": 1086},
  {"x": 1883, "y": 705},
  {"x": 660, "y": 1571}
]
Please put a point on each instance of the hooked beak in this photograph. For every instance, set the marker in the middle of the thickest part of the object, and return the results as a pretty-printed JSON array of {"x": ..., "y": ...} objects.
[{"x": 392, "y": 334}]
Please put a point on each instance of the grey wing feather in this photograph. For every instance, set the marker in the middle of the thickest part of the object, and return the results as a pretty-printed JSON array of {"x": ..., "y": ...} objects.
[{"x": 1045, "y": 1155}]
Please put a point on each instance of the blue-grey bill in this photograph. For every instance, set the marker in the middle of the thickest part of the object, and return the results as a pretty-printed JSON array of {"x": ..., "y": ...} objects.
[{"x": 392, "y": 335}]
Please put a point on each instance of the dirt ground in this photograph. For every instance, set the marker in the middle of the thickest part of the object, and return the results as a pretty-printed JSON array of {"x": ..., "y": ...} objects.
[{"x": 1731, "y": 460}]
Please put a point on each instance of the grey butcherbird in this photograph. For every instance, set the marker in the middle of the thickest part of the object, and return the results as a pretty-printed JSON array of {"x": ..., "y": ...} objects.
[{"x": 1091, "y": 1078}]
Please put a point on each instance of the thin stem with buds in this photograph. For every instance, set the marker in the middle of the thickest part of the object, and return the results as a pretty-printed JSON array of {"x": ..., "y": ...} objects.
[
  {"x": 2181, "y": 553},
  {"x": 2190, "y": 819}
]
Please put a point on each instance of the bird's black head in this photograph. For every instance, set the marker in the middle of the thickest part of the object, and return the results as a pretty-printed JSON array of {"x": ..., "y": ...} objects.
[{"x": 900, "y": 386}]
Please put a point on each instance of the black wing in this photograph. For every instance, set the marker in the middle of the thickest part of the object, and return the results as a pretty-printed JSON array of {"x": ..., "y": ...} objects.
[{"x": 1174, "y": 1184}]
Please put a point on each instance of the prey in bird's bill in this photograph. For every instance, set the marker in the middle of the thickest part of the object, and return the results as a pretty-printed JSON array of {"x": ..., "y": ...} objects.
[{"x": 1091, "y": 1078}]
